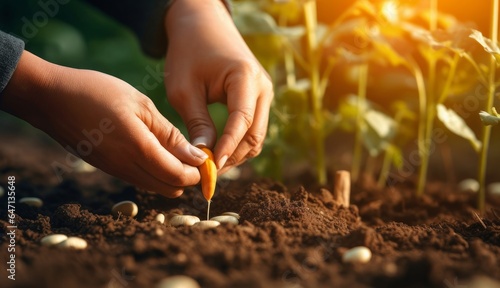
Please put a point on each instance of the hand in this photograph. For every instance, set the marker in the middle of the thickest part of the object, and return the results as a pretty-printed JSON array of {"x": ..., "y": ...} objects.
[
  {"x": 208, "y": 61},
  {"x": 135, "y": 142}
]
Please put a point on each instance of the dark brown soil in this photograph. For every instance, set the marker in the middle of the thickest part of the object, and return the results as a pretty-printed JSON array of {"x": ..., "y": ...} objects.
[{"x": 288, "y": 236}]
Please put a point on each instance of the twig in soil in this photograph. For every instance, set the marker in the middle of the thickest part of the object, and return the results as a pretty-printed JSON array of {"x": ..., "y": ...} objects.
[
  {"x": 118, "y": 218},
  {"x": 480, "y": 221},
  {"x": 495, "y": 213},
  {"x": 342, "y": 188}
]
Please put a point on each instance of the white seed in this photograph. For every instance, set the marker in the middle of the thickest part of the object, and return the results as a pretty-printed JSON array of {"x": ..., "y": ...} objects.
[
  {"x": 160, "y": 218},
  {"x": 127, "y": 208},
  {"x": 494, "y": 188},
  {"x": 83, "y": 167},
  {"x": 32, "y": 201},
  {"x": 2, "y": 191},
  {"x": 179, "y": 281},
  {"x": 225, "y": 219},
  {"x": 234, "y": 214},
  {"x": 206, "y": 224},
  {"x": 53, "y": 239},
  {"x": 183, "y": 220},
  {"x": 356, "y": 255},
  {"x": 468, "y": 185},
  {"x": 159, "y": 232},
  {"x": 74, "y": 243}
]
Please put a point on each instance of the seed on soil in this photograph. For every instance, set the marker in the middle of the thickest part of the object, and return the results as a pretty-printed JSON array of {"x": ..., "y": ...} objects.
[
  {"x": 356, "y": 255},
  {"x": 159, "y": 232},
  {"x": 494, "y": 188},
  {"x": 32, "y": 201},
  {"x": 468, "y": 186},
  {"x": 74, "y": 243},
  {"x": 2, "y": 191},
  {"x": 225, "y": 219},
  {"x": 53, "y": 239},
  {"x": 206, "y": 224},
  {"x": 178, "y": 281},
  {"x": 160, "y": 218},
  {"x": 183, "y": 220},
  {"x": 126, "y": 208},
  {"x": 234, "y": 214}
]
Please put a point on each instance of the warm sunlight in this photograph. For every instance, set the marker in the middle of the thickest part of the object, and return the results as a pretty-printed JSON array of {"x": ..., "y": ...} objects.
[{"x": 390, "y": 10}]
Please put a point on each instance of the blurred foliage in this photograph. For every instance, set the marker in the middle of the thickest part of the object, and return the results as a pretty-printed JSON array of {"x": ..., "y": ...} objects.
[{"x": 409, "y": 47}]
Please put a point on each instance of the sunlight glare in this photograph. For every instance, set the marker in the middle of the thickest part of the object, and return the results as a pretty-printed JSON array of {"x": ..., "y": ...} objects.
[{"x": 390, "y": 11}]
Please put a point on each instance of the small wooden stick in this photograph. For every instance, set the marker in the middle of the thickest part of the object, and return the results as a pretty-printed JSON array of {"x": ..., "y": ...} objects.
[{"x": 342, "y": 188}]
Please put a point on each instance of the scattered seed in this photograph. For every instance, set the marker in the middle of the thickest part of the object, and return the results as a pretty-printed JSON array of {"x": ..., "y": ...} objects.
[
  {"x": 73, "y": 243},
  {"x": 356, "y": 255},
  {"x": 32, "y": 201},
  {"x": 234, "y": 214},
  {"x": 183, "y": 220},
  {"x": 206, "y": 224},
  {"x": 53, "y": 239},
  {"x": 160, "y": 218},
  {"x": 2, "y": 191},
  {"x": 127, "y": 208},
  {"x": 179, "y": 281},
  {"x": 225, "y": 219},
  {"x": 159, "y": 232},
  {"x": 84, "y": 167},
  {"x": 494, "y": 188},
  {"x": 468, "y": 185}
]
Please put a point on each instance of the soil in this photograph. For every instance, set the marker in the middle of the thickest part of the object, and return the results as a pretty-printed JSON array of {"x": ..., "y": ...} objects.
[{"x": 288, "y": 236}]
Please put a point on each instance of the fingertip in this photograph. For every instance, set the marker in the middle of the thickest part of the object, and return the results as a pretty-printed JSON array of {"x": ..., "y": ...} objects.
[
  {"x": 197, "y": 153},
  {"x": 222, "y": 161},
  {"x": 200, "y": 141}
]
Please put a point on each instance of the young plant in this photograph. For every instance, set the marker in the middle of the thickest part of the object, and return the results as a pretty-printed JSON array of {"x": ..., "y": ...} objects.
[{"x": 491, "y": 47}]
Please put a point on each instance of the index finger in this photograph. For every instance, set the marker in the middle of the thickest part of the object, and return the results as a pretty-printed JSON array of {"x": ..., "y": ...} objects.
[{"x": 241, "y": 104}]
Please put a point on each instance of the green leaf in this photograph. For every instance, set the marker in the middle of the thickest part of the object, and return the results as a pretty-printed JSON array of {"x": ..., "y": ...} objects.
[
  {"x": 251, "y": 22},
  {"x": 488, "y": 45},
  {"x": 488, "y": 119},
  {"x": 382, "y": 124},
  {"x": 457, "y": 125}
]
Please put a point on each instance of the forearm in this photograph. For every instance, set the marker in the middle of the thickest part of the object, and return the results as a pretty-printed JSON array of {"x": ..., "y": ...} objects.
[{"x": 27, "y": 87}]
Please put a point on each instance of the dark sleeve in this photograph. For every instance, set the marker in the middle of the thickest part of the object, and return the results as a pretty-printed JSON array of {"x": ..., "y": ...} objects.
[
  {"x": 11, "y": 49},
  {"x": 144, "y": 18}
]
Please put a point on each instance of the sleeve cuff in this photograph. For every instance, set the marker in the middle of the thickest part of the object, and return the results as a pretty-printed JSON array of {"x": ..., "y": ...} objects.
[
  {"x": 11, "y": 49},
  {"x": 154, "y": 41}
]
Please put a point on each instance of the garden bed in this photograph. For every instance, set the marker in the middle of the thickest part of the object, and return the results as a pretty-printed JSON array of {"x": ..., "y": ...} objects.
[{"x": 287, "y": 236}]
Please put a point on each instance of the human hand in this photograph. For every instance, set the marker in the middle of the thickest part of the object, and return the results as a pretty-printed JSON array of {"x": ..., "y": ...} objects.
[
  {"x": 208, "y": 61},
  {"x": 137, "y": 143}
]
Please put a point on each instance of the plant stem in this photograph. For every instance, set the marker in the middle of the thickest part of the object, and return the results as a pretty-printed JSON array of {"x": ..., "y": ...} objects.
[
  {"x": 429, "y": 113},
  {"x": 288, "y": 58},
  {"x": 483, "y": 156},
  {"x": 316, "y": 97},
  {"x": 386, "y": 166},
  {"x": 358, "y": 143},
  {"x": 422, "y": 97}
]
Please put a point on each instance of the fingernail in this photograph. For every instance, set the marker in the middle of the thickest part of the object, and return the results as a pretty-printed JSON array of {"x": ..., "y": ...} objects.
[
  {"x": 222, "y": 162},
  {"x": 200, "y": 141},
  {"x": 197, "y": 152}
]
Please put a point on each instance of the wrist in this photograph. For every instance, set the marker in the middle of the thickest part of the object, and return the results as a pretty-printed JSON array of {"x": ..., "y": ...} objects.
[
  {"x": 188, "y": 12},
  {"x": 24, "y": 93}
]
